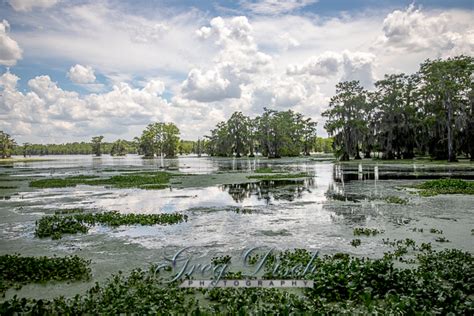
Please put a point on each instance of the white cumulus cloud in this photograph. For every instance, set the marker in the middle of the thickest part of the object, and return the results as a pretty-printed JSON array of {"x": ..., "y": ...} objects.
[
  {"x": 237, "y": 61},
  {"x": 81, "y": 74},
  {"x": 10, "y": 52},
  {"x": 345, "y": 66},
  {"x": 414, "y": 30}
]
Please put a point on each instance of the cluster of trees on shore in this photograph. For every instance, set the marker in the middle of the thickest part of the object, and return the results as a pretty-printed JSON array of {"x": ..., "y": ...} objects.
[
  {"x": 120, "y": 147},
  {"x": 7, "y": 145},
  {"x": 273, "y": 134},
  {"x": 160, "y": 139},
  {"x": 75, "y": 148},
  {"x": 429, "y": 112}
]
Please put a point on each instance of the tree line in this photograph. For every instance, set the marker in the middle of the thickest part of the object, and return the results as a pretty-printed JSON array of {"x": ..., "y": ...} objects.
[
  {"x": 273, "y": 134},
  {"x": 429, "y": 112}
]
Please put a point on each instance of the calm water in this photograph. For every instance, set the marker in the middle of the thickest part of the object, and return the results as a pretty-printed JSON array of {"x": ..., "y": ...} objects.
[{"x": 317, "y": 213}]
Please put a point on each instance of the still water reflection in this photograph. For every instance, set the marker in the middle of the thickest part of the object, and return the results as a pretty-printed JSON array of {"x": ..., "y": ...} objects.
[{"x": 318, "y": 212}]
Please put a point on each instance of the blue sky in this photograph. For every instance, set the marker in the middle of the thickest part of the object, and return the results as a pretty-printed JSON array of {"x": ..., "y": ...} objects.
[{"x": 70, "y": 70}]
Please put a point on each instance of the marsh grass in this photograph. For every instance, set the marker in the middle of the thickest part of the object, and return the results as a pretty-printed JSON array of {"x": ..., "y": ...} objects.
[
  {"x": 55, "y": 226},
  {"x": 17, "y": 270}
]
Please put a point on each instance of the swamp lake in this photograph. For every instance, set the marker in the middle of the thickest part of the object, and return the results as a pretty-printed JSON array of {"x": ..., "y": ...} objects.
[{"x": 230, "y": 207}]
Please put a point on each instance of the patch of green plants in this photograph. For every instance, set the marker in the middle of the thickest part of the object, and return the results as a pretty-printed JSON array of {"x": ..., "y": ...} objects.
[
  {"x": 243, "y": 210},
  {"x": 346, "y": 197},
  {"x": 280, "y": 176},
  {"x": 221, "y": 260},
  {"x": 264, "y": 170},
  {"x": 396, "y": 200},
  {"x": 6, "y": 187},
  {"x": 446, "y": 186},
  {"x": 367, "y": 231},
  {"x": 356, "y": 243},
  {"x": 440, "y": 282},
  {"x": 436, "y": 231},
  {"x": 420, "y": 230},
  {"x": 17, "y": 270},
  {"x": 55, "y": 226},
  {"x": 143, "y": 180},
  {"x": 441, "y": 239}
]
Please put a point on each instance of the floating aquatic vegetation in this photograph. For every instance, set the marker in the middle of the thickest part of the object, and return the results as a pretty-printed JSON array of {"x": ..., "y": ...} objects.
[
  {"x": 396, "y": 200},
  {"x": 356, "y": 243},
  {"x": 243, "y": 210},
  {"x": 55, "y": 225},
  {"x": 277, "y": 176},
  {"x": 367, "y": 231},
  {"x": 441, "y": 239},
  {"x": 145, "y": 180},
  {"x": 347, "y": 197},
  {"x": 264, "y": 170},
  {"x": 439, "y": 283},
  {"x": 445, "y": 186},
  {"x": 17, "y": 270},
  {"x": 436, "y": 231},
  {"x": 221, "y": 260}
]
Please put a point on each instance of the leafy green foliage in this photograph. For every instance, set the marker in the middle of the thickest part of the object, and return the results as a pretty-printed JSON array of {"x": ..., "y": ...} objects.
[
  {"x": 119, "y": 148},
  {"x": 429, "y": 112},
  {"x": 345, "y": 118},
  {"x": 75, "y": 148},
  {"x": 55, "y": 226},
  {"x": 151, "y": 180},
  {"x": 356, "y": 242},
  {"x": 396, "y": 200},
  {"x": 16, "y": 270},
  {"x": 264, "y": 170},
  {"x": 96, "y": 145},
  {"x": 7, "y": 143},
  {"x": 446, "y": 186},
  {"x": 273, "y": 134},
  {"x": 366, "y": 231},
  {"x": 221, "y": 260},
  {"x": 439, "y": 283},
  {"x": 159, "y": 139}
]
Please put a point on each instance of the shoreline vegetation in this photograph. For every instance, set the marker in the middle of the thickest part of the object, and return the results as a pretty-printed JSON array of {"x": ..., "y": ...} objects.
[
  {"x": 429, "y": 112},
  {"x": 17, "y": 160}
]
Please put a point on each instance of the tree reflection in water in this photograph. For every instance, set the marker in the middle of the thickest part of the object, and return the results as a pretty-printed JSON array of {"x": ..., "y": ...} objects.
[{"x": 282, "y": 189}]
